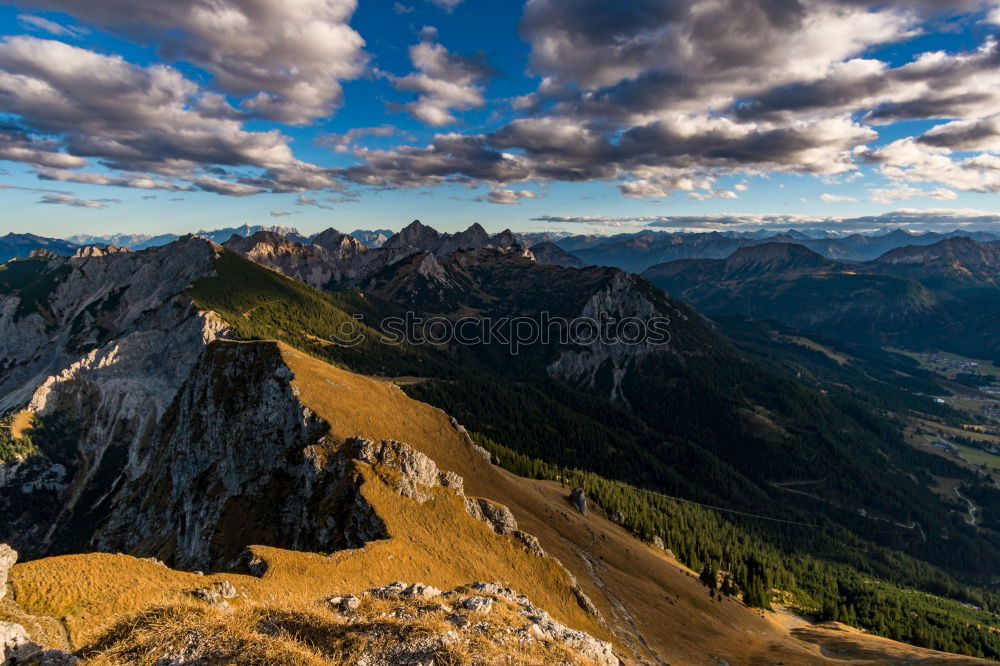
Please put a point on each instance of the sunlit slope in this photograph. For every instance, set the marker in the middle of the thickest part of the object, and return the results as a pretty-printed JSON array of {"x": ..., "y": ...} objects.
[{"x": 655, "y": 610}]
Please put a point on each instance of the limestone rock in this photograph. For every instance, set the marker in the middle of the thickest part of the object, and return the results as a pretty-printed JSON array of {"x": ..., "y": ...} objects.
[
  {"x": 530, "y": 542},
  {"x": 212, "y": 597},
  {"x": 478, "y": 604},
  {"x": 15, "y": 644},
  {"x": 585, "y": 602},
  {"x": 496, "y": 516},
  {"x": 392, "y": 589},
  {"x": 421, "y": 590},
  {"x": 344, "y": 605},
  {"x": 226, "y": 589},
  {"x": 8, "y": 556},
  {"x": 579, "y": 500},
  {"x": 417, "y": 472}
]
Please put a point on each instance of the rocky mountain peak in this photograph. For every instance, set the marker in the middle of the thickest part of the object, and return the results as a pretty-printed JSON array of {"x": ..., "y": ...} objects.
[
  {"x": 416, "y": 235},
  {"x": 505, "y": 238},
  {"x": 342, "y": 246}
]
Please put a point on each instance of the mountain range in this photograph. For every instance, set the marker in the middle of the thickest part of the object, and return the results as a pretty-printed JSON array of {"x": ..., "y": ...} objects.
[
  {"x": 193, "y": 452},
  {"x": 940, "y": 296},
  {"x": 639, "y": 251},
  {"x": 634, "y": 252}
]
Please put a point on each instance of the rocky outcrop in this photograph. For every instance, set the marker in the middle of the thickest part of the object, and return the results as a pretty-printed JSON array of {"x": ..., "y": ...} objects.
[
  {"x": 96, "y": 346},
  {"x": 620, "y": 299},
  {"x": 8, "y": 556},
  {"x": 15, "y": 644},
  {"x": 18, "y": 649},
  {"x": 399, "y": 624},
  {"x": 312, "y": 264},
  {"x": 543, "y": 625},
  {"x": 502, "y": 521},
  {"x": 578, "y": 499},
  {"x": 462, "y": 604},
  {"x": 239, "y": 460},
  {"x": 416, "y": 472}
]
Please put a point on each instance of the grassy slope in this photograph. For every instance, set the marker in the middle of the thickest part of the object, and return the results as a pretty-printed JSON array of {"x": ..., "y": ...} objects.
[
  {"x": 653, "y": 603},
  {"x": 279, "y": 307}
]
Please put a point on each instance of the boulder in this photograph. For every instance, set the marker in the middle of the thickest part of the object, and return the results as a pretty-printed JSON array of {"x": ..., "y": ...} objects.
[
  {"x": 226, "y": 590},
  {"x": 344, "y": 605},
  {"x": 15, "y": 644},
  {"x": 390, "y": 590},
  {"x": 478, "y": 604},
  {"x": 579, "y": 500},
  {"x": 212, "y": 597},
  {"x": 496, "y": 516},
  {"x": 421, "y": 590}
]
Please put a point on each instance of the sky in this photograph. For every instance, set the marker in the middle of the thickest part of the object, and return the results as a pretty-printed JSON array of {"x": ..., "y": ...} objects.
[{"x": 146, "y": 116}]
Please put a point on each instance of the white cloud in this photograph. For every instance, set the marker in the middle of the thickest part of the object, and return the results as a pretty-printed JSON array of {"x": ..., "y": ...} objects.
[
  {"x": 343, "y": 143},
  {"x": 837, "y": 198},
  {"x": 135, "y": 120},
  {"x": 909, "y": 161},
  {"x": 504, "y": 196},
  {"x": 51, "y": 27},
  {"x": 287, "y": 56},
  {"x": 444, "y": 82}
]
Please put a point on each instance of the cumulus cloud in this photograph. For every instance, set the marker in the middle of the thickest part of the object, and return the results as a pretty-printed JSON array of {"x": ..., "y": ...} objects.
[
  {"x": 287, "y": 58},
  {"x": 443, "y": 81},
  {"x": 653, "y": 96},
  {"x": 909, "y": 160},
  {"x": 343, "y": 143},
  {"x": 68, "y": 200},
  {"x": 658, "y": 95},
  {"x": 77, "y": 105},
  {"x": 836, "y": 198}
]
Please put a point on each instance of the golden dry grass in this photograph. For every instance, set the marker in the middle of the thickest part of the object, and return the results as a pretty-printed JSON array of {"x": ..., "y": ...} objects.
[
  {"x": 435, "y": 542},
  {"x": 306, "y": 636},
  {"x": 21, "y": 424},
  {"x": 654, "y": 608}
]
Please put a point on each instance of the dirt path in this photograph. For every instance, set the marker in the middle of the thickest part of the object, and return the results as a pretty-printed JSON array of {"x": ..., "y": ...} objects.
[{"x": 973, "y": 509}]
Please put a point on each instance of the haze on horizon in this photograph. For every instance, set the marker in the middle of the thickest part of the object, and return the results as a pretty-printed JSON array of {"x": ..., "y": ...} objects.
[{"x": 572, "y": 115}]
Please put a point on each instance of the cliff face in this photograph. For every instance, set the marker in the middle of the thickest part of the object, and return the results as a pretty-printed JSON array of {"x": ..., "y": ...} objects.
[
  {"x": 238, "y": 460},
  {"x": 619, "y": 300},
  {"x": 312, "y": 264},
  {"x": 95, "y": 347}
]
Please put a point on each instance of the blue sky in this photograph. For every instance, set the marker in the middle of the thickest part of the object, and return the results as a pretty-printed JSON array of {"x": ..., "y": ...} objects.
[{"x": 582, "y": 115}]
